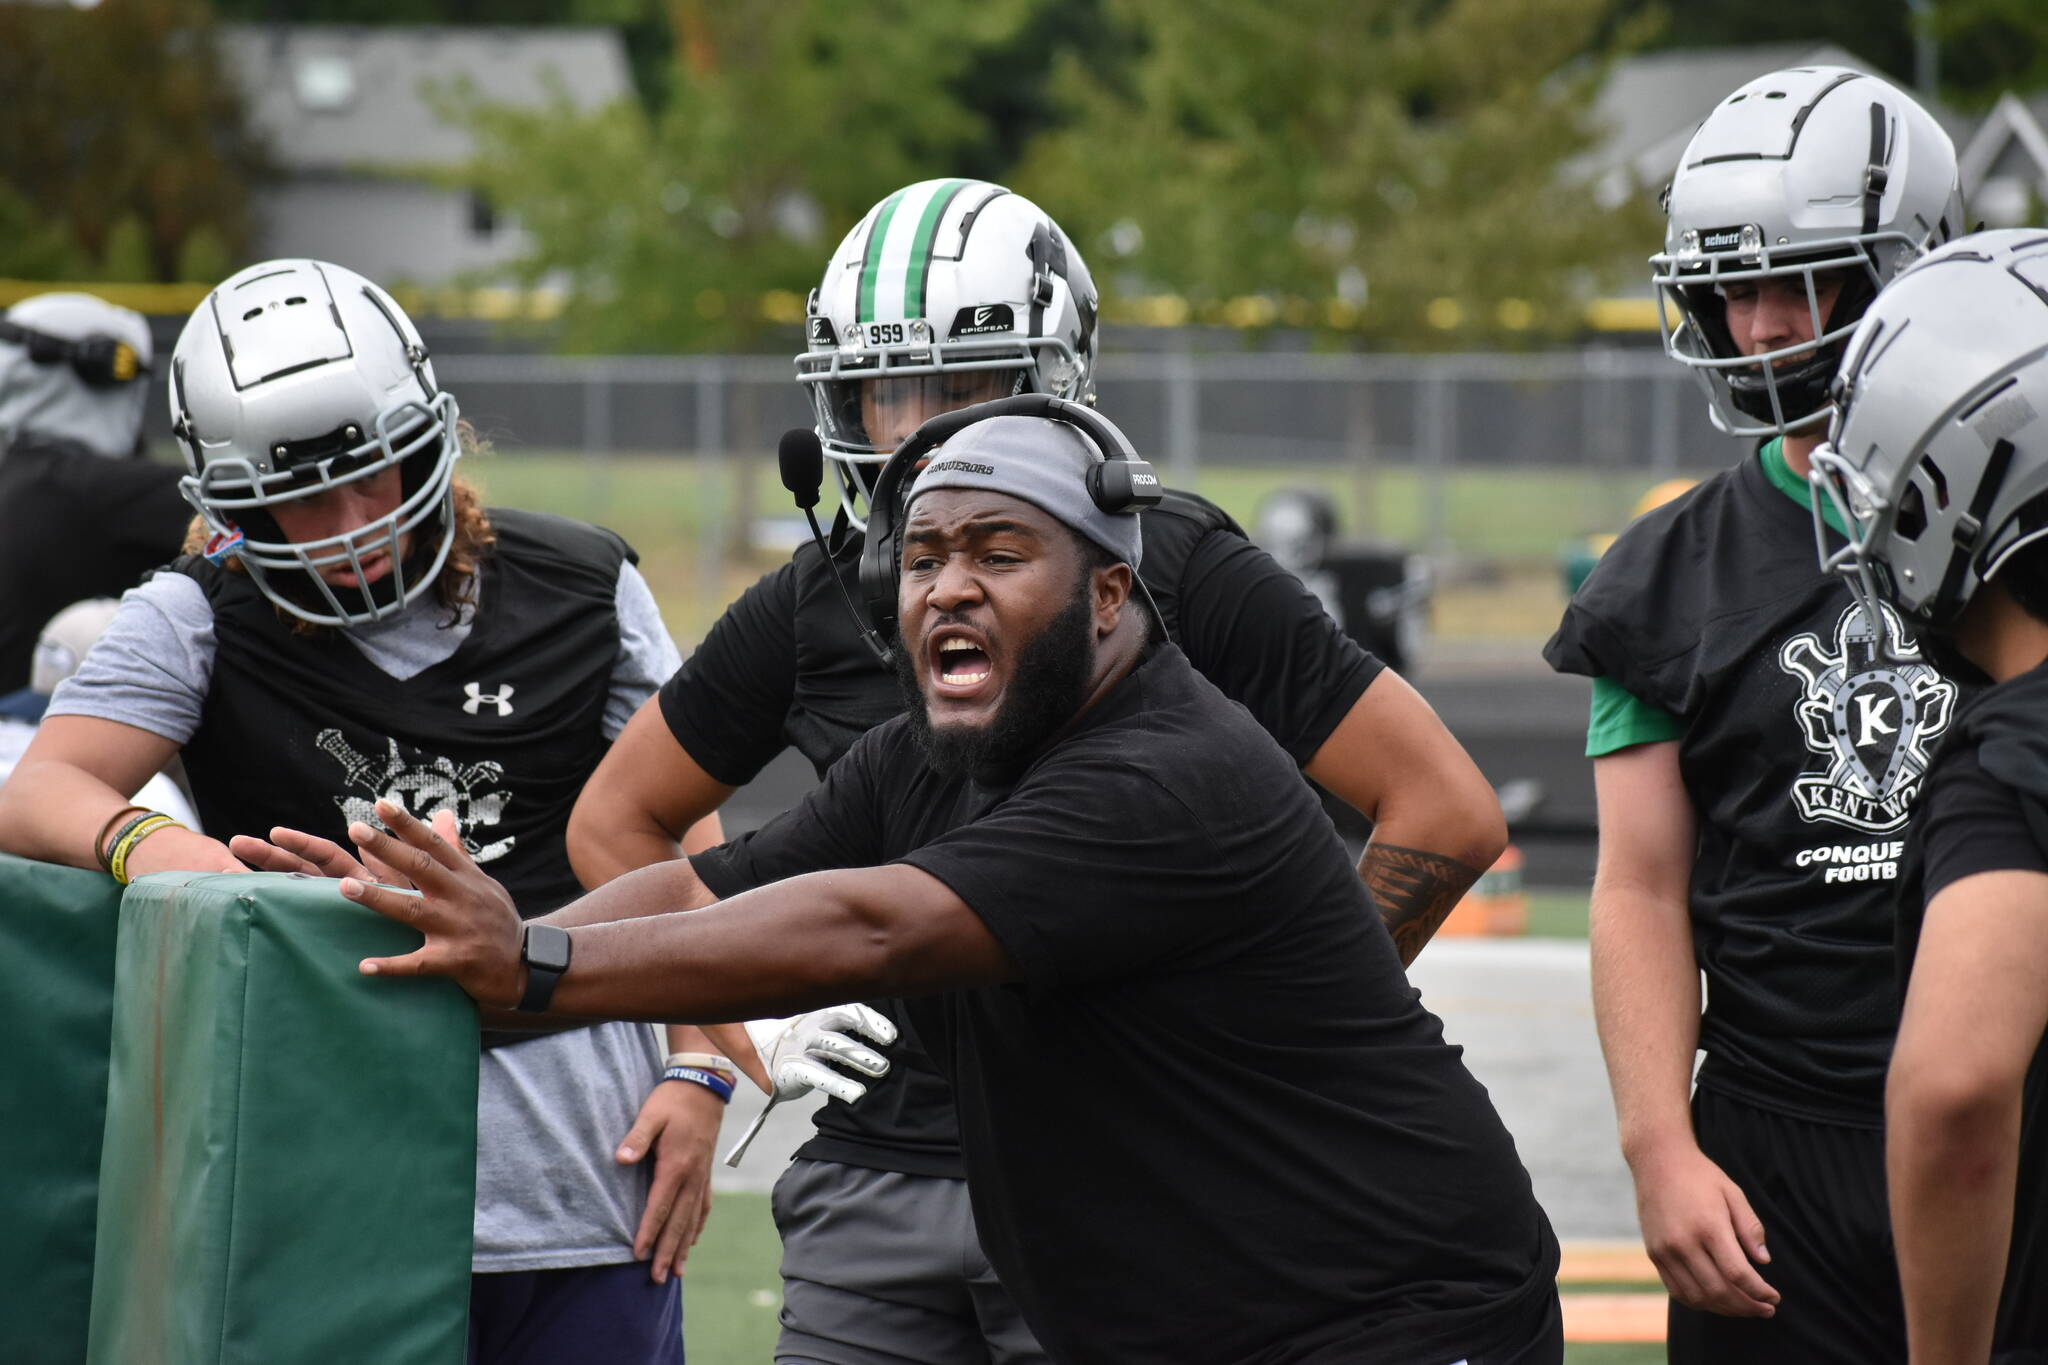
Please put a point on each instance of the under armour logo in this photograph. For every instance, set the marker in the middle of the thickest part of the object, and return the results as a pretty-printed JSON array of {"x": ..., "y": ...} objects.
[
  {"x": 502, "y": 698},
  {"x": 983, "y": 314}
]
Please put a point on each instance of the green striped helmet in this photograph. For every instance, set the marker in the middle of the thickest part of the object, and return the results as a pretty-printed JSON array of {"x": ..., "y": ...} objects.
[{"x": 948, "y": 292}]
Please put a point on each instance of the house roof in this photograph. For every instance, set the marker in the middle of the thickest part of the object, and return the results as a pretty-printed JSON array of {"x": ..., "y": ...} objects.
[
  {"x": 2012, "y": 142},
  {"x": 338, "y": 97},
  {"x": 1653, "y": 103}
]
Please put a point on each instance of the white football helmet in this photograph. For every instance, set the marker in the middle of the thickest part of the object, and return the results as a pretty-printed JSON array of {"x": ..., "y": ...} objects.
[
  {"x": 1938, "y": 456},
  {"x": 296, "y": 377},
  {"x": 948, "y": 292},
  {"x": 1798, "y": 173}
]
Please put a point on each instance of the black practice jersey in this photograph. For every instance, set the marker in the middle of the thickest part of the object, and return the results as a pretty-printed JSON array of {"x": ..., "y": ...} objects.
[
  {"x": 1208, "y": 1119},
  {"x": 303, "y": 730},
  {"x": 1986, "y": 810},
  {"x": 1803, "y": 753},
  {"x": 73, "y": 525},
  {"x": 785, "y": 666}
]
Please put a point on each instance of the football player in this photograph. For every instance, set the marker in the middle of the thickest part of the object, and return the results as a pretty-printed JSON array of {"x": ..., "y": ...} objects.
[
  {"x": 82, "y": 513},
  {"x": 1939, "y": 462},
  {"x": 1755, "y": 755},
  {"x": 946, "y": 293},
  {"x": 351, "y": 624}
]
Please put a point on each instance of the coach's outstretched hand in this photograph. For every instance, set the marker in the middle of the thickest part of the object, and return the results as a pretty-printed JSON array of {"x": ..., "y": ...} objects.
[
  {"x": 292, "y": 850},
  {"x": 471, "y": 927}
]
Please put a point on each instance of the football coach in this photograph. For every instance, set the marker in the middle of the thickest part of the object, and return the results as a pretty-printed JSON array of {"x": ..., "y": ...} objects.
[{"x": 1205, "y": 1117}]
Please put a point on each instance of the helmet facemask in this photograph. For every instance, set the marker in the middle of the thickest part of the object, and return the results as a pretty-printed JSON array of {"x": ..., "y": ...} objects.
[
  {"x": 867, "y": 406},
  {"x": 235, "y": 500},
  {"x": 1778, "y": 392}
]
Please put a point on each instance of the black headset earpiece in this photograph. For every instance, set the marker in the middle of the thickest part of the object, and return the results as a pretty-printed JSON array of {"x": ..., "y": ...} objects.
[
  {"x": 1119, "y": 482},
  {"x": 100, "y": 361}
]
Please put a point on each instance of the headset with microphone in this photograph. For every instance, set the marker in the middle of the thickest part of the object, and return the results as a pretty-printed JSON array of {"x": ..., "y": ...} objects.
[
  {"x": 102, "y": 362},
  {"x": 1119, "y": 482},
  {"x": 801, "y": 459}
]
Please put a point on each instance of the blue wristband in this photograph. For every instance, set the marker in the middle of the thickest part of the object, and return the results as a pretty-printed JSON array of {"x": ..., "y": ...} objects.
[{"x": 710, "y": 1080}]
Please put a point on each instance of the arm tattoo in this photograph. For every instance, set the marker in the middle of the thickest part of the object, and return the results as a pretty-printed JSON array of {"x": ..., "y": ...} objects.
[{"x": 1414, "y": 890}]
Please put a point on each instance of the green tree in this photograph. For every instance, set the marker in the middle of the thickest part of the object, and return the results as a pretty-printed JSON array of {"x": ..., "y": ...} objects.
[
  {"x": 1311, "y": 156},
  {"x": 1982, "y": 47},
  {"x": 31, "y": 246},
  {"x": 788, "y": 119},
  {"x": 126, "y": 257},
  {"x": 1987, "y": 47},
  {"x": 123, "y": 110},
  {"x": 203, "y": 258}
]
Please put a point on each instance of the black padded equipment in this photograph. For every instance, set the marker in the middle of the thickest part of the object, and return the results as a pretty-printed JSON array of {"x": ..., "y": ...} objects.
[{"x": 102, "y": 362}]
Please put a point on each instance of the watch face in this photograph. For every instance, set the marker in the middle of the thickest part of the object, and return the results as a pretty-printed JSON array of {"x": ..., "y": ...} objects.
[{"x": 547, "y": 947}]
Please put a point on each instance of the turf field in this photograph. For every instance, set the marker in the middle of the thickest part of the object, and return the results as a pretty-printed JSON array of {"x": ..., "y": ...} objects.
[
  {"x": 731, "y": 1294},
  {"x": 691, "y": 520},
  {"x": 1557, "y": 914}
]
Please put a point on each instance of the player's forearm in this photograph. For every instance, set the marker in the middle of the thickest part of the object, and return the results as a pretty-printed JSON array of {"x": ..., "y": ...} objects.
[
  {"x": 52, "y": 811},
  {"x": 607, "y": 840},
  {"x": 1436, "y": 822},
  {"x": 1951, "y": 1163},
  {"x": 1414, "y": 889},
  {"x": 783, "y": 949},
  {"x": 659, "y": 889},
  {"x": 730, "y": 1040},
  {"x": 1646, "y": 1003}
]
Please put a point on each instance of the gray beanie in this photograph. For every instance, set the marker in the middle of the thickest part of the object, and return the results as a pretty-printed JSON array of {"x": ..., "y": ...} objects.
[{"x": 1039, "y": 460}]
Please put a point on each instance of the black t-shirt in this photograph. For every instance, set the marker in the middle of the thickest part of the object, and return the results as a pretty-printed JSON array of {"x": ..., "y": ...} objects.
[
  {"x": 1803, "y": 754},
  {"x": 785, "y": 667},
  {"x": 1209, "y": 1119},
  {"x": 74, "y": 525},
  {"x": 1986, "y": 810}
]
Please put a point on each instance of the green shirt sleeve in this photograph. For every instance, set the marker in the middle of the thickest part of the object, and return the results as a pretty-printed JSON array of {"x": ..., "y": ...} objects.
[{"x": 1620, "y": 719}]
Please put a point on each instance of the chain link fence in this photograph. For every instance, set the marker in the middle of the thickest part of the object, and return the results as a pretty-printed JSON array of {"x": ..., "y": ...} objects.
[{"x": 1488, "y": 464}]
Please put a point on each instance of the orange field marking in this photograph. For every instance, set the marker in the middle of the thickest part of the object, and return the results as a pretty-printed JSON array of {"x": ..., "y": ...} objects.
[
  {"x": 1614, "y": 1317},
  {"x": 1605, "y": 1262}
]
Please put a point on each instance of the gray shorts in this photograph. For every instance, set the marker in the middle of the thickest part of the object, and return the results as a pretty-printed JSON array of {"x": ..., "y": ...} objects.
[{"x": 880, "y": 1268}]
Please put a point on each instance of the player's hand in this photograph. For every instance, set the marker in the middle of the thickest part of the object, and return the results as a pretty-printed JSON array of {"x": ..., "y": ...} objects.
[
  {"x": 678, "y": 1127},
  {"x": 175, "y": 848},
  {"x": 1702, "y": 1234},
  {"x": 472, "y": 929},
  {"x": 804, "y": 1053},
  {"x": 291, "y": 850}
]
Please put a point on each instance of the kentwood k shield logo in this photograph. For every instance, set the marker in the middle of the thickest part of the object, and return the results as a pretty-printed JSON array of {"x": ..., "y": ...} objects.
[{"x": 1873, "y": 719}]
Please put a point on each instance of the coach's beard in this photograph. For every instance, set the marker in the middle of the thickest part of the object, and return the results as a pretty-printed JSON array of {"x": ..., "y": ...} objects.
[{"x": 1046, "y": 689}]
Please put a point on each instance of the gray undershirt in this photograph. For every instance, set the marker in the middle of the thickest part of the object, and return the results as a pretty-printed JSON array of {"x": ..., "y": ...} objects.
[{"x": 551, "y": 1111}]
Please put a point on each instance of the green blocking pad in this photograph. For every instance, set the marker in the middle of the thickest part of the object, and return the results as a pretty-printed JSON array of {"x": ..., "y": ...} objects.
[
  {"x": 290, "y": 1160},
  {"x": 57, "y": 940}
]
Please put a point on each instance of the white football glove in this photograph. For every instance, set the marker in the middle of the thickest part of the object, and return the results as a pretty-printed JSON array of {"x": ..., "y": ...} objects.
[
  {"x": 801, "y": 1055},
  {"x": 806, "y": 1053}
]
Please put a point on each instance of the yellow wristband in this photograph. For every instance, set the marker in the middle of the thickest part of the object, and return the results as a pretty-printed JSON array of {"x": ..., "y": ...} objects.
[{"x": 117, "y": 861}]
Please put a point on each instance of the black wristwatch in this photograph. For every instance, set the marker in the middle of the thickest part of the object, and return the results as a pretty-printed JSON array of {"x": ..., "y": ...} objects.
[{"x": 545, "y": 951}]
